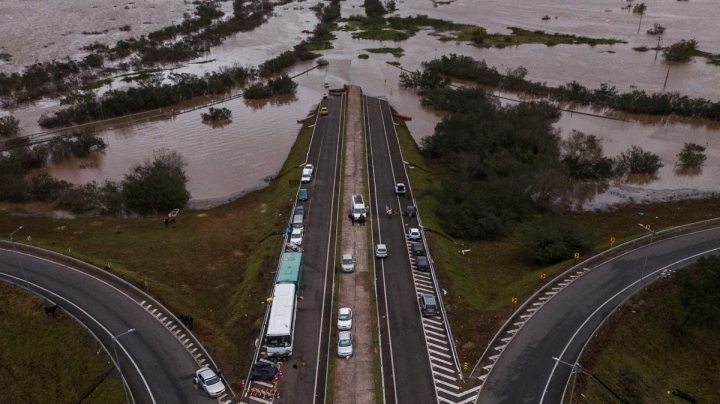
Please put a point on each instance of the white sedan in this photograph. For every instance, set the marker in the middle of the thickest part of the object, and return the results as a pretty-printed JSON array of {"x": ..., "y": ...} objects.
[
  {"x": 344, "y": 344},
  {"x": 296, "y": 237},
  {"x": 210, "y": 382},
  {"x": 344, "y": 318},
  {"x": 414, "y": 234}
]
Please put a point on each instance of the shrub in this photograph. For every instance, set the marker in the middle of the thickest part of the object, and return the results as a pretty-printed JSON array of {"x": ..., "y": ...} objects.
[
  {"x": 637, "y": 161},
  {"x": 657, "y": 29},
  {"x": 548, "y": 240},
  {"x": 80, "y": 199},
  {"x": 692, "y": 156},
  {"x": 46, "y": 188},
  {"x": 9, "y": 126},
  {"x": 217, "y": 114},
  {"x": 583, "y": 157},
  {"x": 681, "y": 51},
  {"x": 158, "y": 184}
]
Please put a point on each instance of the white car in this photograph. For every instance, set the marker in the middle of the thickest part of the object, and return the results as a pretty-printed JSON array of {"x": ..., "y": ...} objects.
[
  {"x": 306, "y": 175},
  {"x": 381, "y": 250},
  {"x": 347, "y": 263},
  {"x": 344, "y": 318},
  {"x": 344, "y": 344},
  {"x": 210, "y": 382},
  {"x": 309, "y": 167},
  {"x": 414, "y": 234},
  {"x": 296, "y": 236}
]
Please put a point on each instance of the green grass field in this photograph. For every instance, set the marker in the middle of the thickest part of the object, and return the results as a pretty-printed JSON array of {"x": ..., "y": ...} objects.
[
  {"x": 216, "y": 265},
  {"x": 39, "y": 365},
  {"x": 481, "y": 283},
  {"x": 647, "y": 349}
]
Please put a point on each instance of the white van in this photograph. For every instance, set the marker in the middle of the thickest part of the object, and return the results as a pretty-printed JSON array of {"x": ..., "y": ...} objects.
[
  {"x": 297, "y": 222},
  {"x": 358, "y": 207}
]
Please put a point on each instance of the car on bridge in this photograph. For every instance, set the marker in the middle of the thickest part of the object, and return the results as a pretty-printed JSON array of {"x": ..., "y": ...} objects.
[
  {"x": 303, "y": 195},
  {"x": 414, "y": 234},
  {"x": 296, "y": 237},
  {"x": 347, "y": 263},
  {"x": 400, "y": 188},
  {"x": 344, "y": 318},
  {"x": 428, "y": 305},
  {"x": 381, "y": 250},
  {"x": 210, "y": 382}
]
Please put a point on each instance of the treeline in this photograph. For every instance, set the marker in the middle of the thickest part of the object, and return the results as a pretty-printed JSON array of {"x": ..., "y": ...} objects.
[
  {"x": 157, "y": 185},
  {"x": 282, "y": 85},
  {"x": 152, "y": 94},
  {"x": 636, "y": 101}
]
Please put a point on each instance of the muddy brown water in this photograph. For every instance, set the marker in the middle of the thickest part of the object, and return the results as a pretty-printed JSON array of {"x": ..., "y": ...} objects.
[{"x": 227, "y": 161}]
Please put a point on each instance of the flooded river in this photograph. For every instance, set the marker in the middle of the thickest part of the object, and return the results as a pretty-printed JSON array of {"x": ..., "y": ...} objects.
[{"x": 228, "y": 161}]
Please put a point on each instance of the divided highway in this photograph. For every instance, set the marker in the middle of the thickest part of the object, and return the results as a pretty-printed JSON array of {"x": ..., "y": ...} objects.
[
  {"x": 569, "y": 313},
  {"x": 157, "y": 366}
]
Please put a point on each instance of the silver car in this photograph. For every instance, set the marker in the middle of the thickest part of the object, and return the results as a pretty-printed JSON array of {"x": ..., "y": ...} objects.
[
  {"x": 347, "y": 263},
  {"x": 344, "y": 344},
  {"x": 381, "y": 250},
  {"x": 210, "y": 382},
  {"x": 344, "y": 318}
]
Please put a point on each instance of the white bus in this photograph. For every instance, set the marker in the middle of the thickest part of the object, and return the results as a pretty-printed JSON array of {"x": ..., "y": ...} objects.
[
  {"x": 281, "y": 324},
  {"x": 358, "y": 207}
]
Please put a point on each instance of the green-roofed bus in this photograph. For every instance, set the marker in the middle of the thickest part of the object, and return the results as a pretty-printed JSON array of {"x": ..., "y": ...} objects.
[{"x": 291, "y": 269}]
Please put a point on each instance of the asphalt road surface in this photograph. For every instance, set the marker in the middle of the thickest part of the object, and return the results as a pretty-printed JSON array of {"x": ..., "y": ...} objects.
[
  {"x": 526, "y": 371},
  {"x": 305, "y": 373},
  {"x": 157, "y": 367},
  {"x": 418, "y": 364}
]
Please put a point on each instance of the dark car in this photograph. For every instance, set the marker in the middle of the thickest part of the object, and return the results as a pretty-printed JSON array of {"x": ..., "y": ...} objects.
[
  {"x": 428, "y": 305},
  {"x": 417, "y": 249},
  {"x": 264, "y": 372},
  {"x": 410, "y": 211},
  {"x": 303, "y": 195},
  {"x": 422, "y": 263}
]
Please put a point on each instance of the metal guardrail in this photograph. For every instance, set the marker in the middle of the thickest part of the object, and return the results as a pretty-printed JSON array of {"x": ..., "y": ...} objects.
[
  {"x": 673, "y": 230},
  {"x": 117, "y": 282}
]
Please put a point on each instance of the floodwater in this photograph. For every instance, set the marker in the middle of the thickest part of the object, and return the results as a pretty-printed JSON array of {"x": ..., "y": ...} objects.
[
  {"x": 40, "y": 30},
  {"x": 225, "y": 162}
]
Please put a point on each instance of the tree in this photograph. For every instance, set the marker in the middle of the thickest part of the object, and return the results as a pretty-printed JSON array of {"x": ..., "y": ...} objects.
[
  {"x": 692, "y": 156},
  {"x": 681, "y": 51},
  {"x": 657, "y": 29},
  {"x": 635, "y": 160},
  {"x": 548, "y": 240},
  {"x": 9, "y": 126},
  {"x": 639, "y": 9},
  {"x": 583, "y": 156},
  {"x": 158, "y": 184}
]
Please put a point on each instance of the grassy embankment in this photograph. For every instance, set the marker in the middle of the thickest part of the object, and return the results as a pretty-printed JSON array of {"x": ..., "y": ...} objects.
[
  {"x": 648, "y": 348},
  {"x": 402, "y": 28},
  {"x": 216, "y": 265},
  {"x": 39, "y": 365},
  {"x": 482, "y": 282},
  {"x": 397, "y": 52}
]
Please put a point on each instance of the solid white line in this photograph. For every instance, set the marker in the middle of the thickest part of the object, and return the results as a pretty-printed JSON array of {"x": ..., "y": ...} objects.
[
  {"x": 116, "y": 340},
  {"x": 547, "y": 384}
]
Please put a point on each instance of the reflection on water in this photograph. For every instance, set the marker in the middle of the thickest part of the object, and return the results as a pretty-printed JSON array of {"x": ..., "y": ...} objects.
[
  {"x": 688, "y": 171},
  {"x": 273, "y": 101}
]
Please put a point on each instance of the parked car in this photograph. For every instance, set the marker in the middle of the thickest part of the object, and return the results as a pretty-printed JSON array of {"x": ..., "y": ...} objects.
[
  {"x": 410, "y": 211},
  {"x": 414, "y": 234},
  {"x": 400, "y": 188},
  {"x": 299, "y": 210},
  {"x": 344, "y": 318},
  {"x": 417, "y": 249},
  {"x": 323, "y": 111},
  {"x": 210, "y": 382},
  {"x": 381, "y": 250},
  {"x": 428, "y": 305},
  {"x": 306, "y": 176},
  {"x": 347, "y": 263},
  {"x": 303, "y": 195},
  {"x": 422, "y": 263},
  {"x": 263, "y": 371},
  {"x": 309, "y": 167},
  {"x": 296, "y": 237},
  {"x": 344, "y": 344}
]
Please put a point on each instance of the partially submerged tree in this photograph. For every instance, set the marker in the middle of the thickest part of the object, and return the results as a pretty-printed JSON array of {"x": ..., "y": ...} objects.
[
  {"x": 583, "y": 157},
  {"x": 681, "y": 51},
  {"x": 640, "y": 10},
  {"x": 635, "y": 160},
  {"x": 657, "y": 29},
  {"x": 9, "y": 126},
  {"x": 691, "y": 156}
]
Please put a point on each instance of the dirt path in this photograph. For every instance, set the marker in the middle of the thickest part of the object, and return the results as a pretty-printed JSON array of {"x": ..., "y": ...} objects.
[{"x": 354, "y": 377}]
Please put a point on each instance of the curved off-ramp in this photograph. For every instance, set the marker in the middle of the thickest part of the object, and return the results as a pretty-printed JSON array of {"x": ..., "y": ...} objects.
[
  {"x": 563, "y": 319},
  {"x": 157, "y": 358}
]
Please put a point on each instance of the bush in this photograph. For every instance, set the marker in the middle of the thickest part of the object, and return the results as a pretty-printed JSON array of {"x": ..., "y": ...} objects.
[
  {"x": 217, "y": 114},
  {"x": 157, "y": 185},
  {"x": 637, "y": 161},
  {"x": 583, "y": 157},
  {"x": 80, "y": 199},
  {"x": 46, "y": 188},
  {"x": 9, "y": 126},
  {"x": 692, "y": 156},
  {"x": 681, "y": 51},
  {"x": 549, "y": 240}
]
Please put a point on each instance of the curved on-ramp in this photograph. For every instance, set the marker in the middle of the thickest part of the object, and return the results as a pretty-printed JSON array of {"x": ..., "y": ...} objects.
[
  {"x": 155, "y": 360},
  {"x": 526, "y": 371}
]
